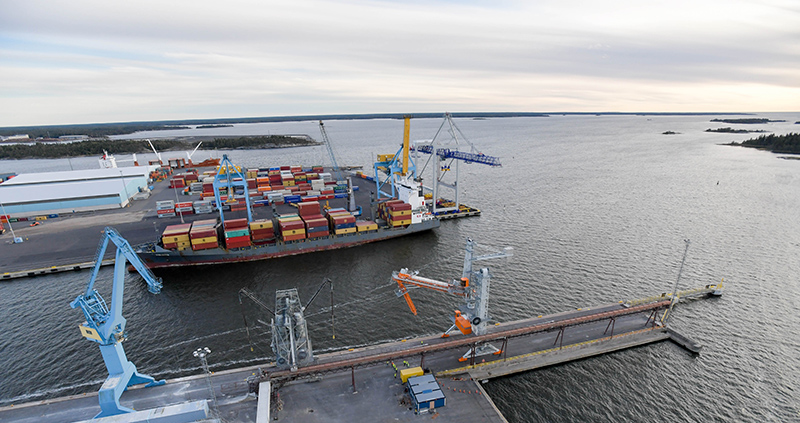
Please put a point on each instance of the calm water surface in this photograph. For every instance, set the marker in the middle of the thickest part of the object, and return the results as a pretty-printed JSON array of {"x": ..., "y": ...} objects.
[{"x": 596, "y": 208}]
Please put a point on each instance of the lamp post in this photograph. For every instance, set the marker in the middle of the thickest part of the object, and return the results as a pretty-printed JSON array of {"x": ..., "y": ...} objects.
[
  {"x": 177, "y": 201},
  {"x": 127, "y": 197},
  {"x": 201, "y": 353}
]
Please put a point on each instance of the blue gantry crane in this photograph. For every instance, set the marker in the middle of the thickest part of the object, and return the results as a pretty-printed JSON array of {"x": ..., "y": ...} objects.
[
  {"x": 106, "y": 326},
  {"x": 229, "y": 176}
]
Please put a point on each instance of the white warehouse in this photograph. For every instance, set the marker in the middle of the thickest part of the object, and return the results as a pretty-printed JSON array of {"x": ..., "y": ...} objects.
[{"x": 32, "y": 194}]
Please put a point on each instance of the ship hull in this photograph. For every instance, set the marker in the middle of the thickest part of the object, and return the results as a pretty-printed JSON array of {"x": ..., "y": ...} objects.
[{"x": 154, "y": 256}]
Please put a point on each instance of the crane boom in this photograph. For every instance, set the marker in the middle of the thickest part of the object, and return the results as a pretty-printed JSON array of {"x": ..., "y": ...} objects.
[
  {"x": 106, "y": 326},
  {"x": 336, "y": 171}
]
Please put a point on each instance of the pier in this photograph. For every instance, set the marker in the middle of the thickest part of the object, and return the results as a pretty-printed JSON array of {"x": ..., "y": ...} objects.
[{"x": 361, "y": 384}]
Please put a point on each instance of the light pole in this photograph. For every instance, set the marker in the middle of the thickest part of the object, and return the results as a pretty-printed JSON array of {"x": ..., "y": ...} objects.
[
  {"x": 16, "y": 240},
  {"x": 201, "y": 353},
  {"x": 177, "y": 201},
  {"x": 675, "y": 289},
  {"x": 127, "y": 197}
]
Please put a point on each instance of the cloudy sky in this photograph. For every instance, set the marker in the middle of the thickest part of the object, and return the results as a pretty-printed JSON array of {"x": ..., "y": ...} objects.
[{"x": 107, "y": 61}]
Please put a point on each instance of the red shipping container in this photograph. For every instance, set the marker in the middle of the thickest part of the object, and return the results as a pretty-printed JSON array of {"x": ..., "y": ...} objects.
[
  {"x": 206, "y": 246},
  {"x": 294, "y": 237},
  {"x": 202, "y": 232},
  {"x": 235, "y": 224},
  {"x": 316, "y": 234}
]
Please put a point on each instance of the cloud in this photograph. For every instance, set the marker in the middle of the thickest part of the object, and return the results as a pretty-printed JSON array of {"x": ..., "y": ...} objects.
[{"x": 92, "y": 61}]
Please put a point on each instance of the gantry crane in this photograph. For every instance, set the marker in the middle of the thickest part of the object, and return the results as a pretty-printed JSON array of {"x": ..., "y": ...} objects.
[
  {"x": 106, "y": 326},
  {"x": 473, "y": 286},
  {"x": 229, "y": 176},
  {"x": 444, "y": 158}
]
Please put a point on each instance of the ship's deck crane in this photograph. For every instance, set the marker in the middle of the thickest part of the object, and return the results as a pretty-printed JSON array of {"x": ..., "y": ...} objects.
[
  {"x": 473, "y": 286},
  {"x": 160, "y": 161},
  {"x": 229, "y": 176},
  {"x": 106, "y": 326},
  {"x": 337, "y": 172},
  {"x": 444, "y": 158}
]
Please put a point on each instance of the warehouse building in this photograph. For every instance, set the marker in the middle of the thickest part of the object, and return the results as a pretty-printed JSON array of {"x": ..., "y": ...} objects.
[{"x": 31, "y": 194}]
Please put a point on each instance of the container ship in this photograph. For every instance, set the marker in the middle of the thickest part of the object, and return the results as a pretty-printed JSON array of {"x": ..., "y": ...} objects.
[{"x": 296, "y": 216}]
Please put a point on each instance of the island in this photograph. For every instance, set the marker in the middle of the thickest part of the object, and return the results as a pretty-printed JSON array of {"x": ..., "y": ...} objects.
[
  {"x": 746, "y": 121},
  {"x": 729, "y": 130},
  {"x": 214, "y": 126},
  {"x": 784, "y": 144}
]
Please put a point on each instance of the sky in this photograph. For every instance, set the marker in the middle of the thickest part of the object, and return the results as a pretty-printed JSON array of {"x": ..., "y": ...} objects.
[{"x": 77, "y": 61}]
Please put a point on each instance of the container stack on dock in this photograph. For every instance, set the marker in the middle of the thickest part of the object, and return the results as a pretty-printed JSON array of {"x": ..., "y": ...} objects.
[
  {"x": 262, "y": 232},
  {"x": 176, "y": 237},
  {"x": 236, "y": 233},
  {"x": 184, "y": 208},
  {"x": 203, "y": 234},
  {"x": 203, "y": 207},
  {"x": 291, "y": 227},
  {"x": 165, "y": 208}
]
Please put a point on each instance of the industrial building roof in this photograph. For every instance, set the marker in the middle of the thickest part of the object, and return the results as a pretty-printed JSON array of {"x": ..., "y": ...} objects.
[
  {"x": 59, "y": 186},
  {"x": 77, "y": 175}
]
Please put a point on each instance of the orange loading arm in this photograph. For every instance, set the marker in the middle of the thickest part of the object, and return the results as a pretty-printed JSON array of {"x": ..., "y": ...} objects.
[{"x": 408, "y": 298}]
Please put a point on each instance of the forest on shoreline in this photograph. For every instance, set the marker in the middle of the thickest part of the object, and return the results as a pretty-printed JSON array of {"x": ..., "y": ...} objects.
[{"x": 42, "y": 150}]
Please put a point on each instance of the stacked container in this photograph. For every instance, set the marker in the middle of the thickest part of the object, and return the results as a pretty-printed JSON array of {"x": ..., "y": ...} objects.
[
  {"x": 341, "y": 222},
  {"x": 262, "y": 232},
  {"x": 236, "y": 233},
  {"x": 203, "y": 235},
  {"x": 292, "y": 227},
  {"x": 203, "y": 207},
  {"x": 399, "y": 214},
  {"x": 165, "y": 208},
  {"x": 184, "y": 208},
  {"x": 366, "y": 226},
  {"x": 177, "y": 182},
  {"x": 176, "y": 237},
  {"x": 275, "y": 197},
  {"x": 316, "y": 225}
]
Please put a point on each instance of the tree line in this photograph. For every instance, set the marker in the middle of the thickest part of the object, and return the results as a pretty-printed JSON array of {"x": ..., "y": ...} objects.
[
  {"x": 96, "y": 147},
  {"x": 784, "y": 144}
]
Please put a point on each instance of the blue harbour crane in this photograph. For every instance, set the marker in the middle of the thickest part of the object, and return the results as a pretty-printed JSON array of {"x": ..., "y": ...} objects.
[
  {"x": 105, "y": 325},
  {"x": 229, "y": 176}
]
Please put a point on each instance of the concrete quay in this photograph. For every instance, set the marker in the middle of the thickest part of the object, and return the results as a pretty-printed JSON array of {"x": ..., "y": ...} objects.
[{"x": 360, "y": 385}]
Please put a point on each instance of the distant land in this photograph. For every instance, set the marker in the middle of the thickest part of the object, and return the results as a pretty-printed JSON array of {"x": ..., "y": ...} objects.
[
  {"x": 213, "y": 126},
  {"x": 783, "y": 144},
  {"x": 747, "y": 121},
  {"x": 41, "y": 150},
  {"x": 729, "y": 130},
  {"x": 100, "y": 130}
]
